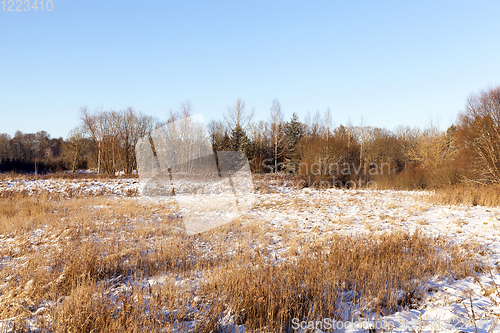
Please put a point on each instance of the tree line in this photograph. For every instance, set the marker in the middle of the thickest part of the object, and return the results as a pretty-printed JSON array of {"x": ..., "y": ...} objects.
[
  {"x": 31, "y": 152},
  {"x": 312, "y": 149}
]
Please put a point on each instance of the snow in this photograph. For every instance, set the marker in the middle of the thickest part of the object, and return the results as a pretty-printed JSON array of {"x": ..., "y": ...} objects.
[
  {"x": 69, "y": 187},
  {"x": 317, "y": 214}
]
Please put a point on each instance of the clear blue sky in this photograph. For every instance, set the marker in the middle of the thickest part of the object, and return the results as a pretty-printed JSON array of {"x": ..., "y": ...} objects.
[{"x": 388, "y": 62}]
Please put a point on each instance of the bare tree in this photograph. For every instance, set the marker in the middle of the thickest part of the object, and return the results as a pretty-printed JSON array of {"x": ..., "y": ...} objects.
[
  {"x": 217, "y": 130},
  {"x": 75, "y": 147},
  {"x": 133, "y": 126},
  {"x": 408, "y": 139},
  {"x": 90, "y": 123},
  {"x": 237, "y": 116},
  {"x": 116, "y": 134},
  {"x": 479, "y": 133},
  {"x": 432, "y": 150},
  {"x": 277, "y": 134},
  {"x": 186, "y": 109},
  {"x": 4, "y": 146},
  {"x": 261, "y": 142}
]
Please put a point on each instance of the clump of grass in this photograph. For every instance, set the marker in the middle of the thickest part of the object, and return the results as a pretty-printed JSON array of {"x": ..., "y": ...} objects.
[
  {"x": 469, "y": 195},
  {"x": 19, "y": 212},
  {"x": 379, "y": 274},
  {"x": 90, "y": 308}
]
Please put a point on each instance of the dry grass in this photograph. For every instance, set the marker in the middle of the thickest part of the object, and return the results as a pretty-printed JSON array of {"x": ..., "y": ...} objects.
[
  {"x": 83, "y": 265},
  {"x": 83, "y": 245},
  {"x": 380, "y": 274},
  {"x": 267, "y": 182},
  {"x": 63, "y": 175},
  {"x": 469, "y": 195}
]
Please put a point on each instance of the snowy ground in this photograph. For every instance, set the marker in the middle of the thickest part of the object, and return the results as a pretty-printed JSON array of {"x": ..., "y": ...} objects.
[
  {"x": 315, "y": 215},
  {"x": 71, "y": 187},
  {"x": 356, "y": 212}
]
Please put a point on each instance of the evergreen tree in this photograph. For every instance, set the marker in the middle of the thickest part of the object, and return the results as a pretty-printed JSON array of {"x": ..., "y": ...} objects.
[
  {"x": 294, "y": 132},
  {"x": 239, "y": 141}
]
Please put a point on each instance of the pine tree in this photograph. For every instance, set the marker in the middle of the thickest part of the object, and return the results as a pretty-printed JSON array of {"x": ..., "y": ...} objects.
[
  {"x": 294, "y": 132},
  {"x": 239, "y": 141}
]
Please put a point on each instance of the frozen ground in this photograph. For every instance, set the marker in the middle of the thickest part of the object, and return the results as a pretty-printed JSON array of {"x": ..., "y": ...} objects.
[
  {"x": 315, "y": 215},
  {"x": 357, "y": 212},
  {"x": 71, "y": 187}
]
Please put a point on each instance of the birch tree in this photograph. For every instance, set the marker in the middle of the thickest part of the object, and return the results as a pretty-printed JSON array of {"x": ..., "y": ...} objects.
[{"x": 277, "y": 132}]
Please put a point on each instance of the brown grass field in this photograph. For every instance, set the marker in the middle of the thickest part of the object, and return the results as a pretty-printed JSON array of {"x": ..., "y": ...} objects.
[{"x": 125, "y": 264}]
